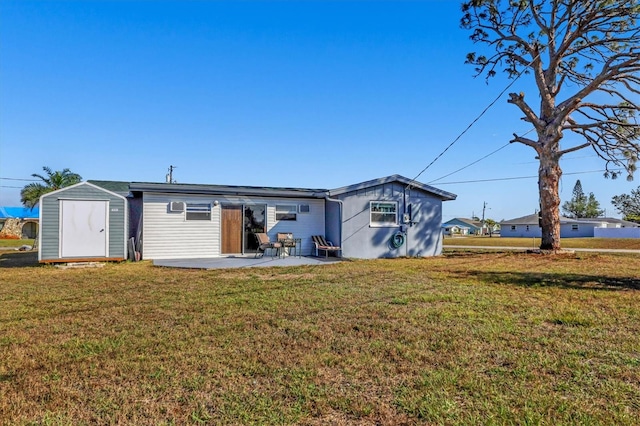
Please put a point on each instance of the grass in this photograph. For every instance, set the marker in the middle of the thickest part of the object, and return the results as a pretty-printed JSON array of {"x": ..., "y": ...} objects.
[
  {"x": 569, "y": 243},
  {"x": 11, "y": 243},
  {"x": 493, "y": 338}
]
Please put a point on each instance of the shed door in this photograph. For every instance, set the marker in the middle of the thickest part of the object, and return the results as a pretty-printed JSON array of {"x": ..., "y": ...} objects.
[{"x": 83, "y": 228}]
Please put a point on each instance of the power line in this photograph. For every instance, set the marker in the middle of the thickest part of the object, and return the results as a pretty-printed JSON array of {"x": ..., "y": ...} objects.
[
  {"x": 24, "y": 180},
  {"x": 471, "y": 164},
  {"x": 517, "y": 77},
  {"x": 480, "y": 159},
  {"x": 523, "y": 177},
  {"x": 484, "y": 111},
  {"x": 562, "y": 158}
]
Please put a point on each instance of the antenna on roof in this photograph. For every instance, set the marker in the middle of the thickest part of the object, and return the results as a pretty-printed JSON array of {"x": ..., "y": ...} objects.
[{"x": 169, "y": 177}]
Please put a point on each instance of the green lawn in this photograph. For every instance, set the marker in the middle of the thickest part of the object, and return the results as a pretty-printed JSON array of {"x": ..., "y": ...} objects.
[
  {"x": 497, "y": 241},
  {"x": 498, "y": 338},
  {"x": 11, "y": 243}
]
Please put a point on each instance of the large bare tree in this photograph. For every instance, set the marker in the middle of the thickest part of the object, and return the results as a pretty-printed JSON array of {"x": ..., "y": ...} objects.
[{"x": 584, "y": 57}]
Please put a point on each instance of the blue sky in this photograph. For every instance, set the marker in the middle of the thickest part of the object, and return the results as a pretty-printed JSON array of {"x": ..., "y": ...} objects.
[{"x": 303, "y": 94}]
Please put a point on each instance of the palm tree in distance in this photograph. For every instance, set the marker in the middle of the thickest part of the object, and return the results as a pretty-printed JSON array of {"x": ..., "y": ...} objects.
[{"x": 31, "y": 193}]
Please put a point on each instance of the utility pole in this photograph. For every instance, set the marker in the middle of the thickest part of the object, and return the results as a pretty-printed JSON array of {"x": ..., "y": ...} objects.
[
  {"x": 484, "y": 206},
  {"x": 169, "y": 176}
]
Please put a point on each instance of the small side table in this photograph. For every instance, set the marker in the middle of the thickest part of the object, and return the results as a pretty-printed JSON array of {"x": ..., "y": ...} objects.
[{"x": 294, "y": 246}]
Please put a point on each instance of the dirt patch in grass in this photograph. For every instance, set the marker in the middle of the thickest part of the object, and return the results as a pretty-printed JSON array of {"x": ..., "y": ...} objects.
[{"x": 500, "y": 338}]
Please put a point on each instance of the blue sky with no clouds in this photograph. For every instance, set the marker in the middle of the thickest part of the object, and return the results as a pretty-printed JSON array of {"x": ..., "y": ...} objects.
[{"x": 305, "y": 94}]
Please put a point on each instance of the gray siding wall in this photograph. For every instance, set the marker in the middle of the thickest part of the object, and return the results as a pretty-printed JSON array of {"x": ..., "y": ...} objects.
[
  {"x": 49, "y": 238},
  {"x": 361, "y": 240},
  {"x": 584, "y": 230},
  {"x": 168, "y": 235},
  {"x": 521, "y": 231}
]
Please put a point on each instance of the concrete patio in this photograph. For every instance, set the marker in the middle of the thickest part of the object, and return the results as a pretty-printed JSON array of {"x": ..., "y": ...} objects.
[{"x": 245, "y": 262}]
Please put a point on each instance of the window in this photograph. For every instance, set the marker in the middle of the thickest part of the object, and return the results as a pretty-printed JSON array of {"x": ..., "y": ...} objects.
[
  {"x": 527, "y": 228},
  {"x": 574, "y": 227},
  {"x": 304, "y": 208},
  {"x": 513, "y": 227},
  {"x": 286, "y": 212},
  {"x": 383, "y": 213},
  {"x": 198, "y": 211}
]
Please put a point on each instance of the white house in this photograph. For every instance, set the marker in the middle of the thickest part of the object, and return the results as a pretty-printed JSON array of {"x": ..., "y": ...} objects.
[{"x": 528, "y": 226}]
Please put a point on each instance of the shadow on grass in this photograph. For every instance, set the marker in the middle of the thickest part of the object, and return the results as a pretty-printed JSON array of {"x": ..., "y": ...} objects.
[
  {"x": 18, "y": 259},
  {"x": 538, "y": 279}
]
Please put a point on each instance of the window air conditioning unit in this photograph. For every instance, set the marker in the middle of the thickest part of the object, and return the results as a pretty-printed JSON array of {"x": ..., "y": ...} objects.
[{"x": 176, "y": 206}]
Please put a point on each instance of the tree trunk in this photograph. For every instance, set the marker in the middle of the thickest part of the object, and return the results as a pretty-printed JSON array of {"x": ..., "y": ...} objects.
[{"x": 549, "y": 174}]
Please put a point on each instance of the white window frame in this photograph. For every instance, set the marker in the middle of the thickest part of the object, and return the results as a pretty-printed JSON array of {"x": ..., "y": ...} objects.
[
  {"x": 197, "y": 211},
  {"x": 304, "y": 208},
  {"x": 383, "y": 224},
  {"x": 287, "y": 212}
]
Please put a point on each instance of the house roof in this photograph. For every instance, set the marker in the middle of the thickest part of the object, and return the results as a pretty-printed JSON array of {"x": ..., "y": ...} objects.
[
  {"x": 443, "y": 195},
  {"x": 125, "y": 188},
  {"x": 612, "y": 220},
  {"x": 119, "y": 187},
  {"x": 531, "y": 219},
  {"x": 19, "y": 213},
  {"x": 184, "y": 188},
  {"x": 470, "y": 222}
]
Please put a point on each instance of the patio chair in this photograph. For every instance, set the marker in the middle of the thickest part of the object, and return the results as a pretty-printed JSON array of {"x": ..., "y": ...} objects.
[
  {"x": 264, "y": 243},
  {"x": 322, "y": 244}
]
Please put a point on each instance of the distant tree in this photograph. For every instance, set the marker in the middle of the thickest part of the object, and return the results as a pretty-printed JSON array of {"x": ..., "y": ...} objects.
[
  {"x": 593, "y": 207},
  {"x": 628, "y": 205},
  {"x": 580, "y": 205},
  {"x": 491, "y": 224},
  {"x": 584, "y": 57},
  {"x": 31, "y": 193}
]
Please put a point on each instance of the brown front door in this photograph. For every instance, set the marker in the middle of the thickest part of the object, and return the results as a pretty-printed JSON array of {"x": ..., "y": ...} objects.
[{"x": 231, "y": 229}]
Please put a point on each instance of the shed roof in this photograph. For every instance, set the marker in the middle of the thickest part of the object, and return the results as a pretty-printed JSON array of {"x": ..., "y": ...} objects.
[
  {"x": 79, "y": 184},
  {"x": 443, "y": 195}
]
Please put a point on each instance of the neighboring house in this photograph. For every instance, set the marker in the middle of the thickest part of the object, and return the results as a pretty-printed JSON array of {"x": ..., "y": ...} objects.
[
  {"x": 527, "y": 226},
  {"x": 455, "y": 230},
  {"x": 387, "y": 217},
  {"x": 23, "y": 222},
  {"x": 610, "y": 222},
  {"x": 617, "y": 228},
  {"x": 462, "y": 226}
]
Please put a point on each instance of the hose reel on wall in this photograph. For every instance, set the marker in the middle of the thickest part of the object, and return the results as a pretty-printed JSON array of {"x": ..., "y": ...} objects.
[{"x": 397, "y": 240}]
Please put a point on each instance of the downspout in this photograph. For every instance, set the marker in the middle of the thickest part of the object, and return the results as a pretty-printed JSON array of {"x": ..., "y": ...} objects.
[
  {"x": 405, "y": 226},
  {"x": 335, "y": 200}
]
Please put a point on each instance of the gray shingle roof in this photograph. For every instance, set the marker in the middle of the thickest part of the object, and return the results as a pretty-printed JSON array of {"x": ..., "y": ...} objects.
[{"x": 443, "y": 195}]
